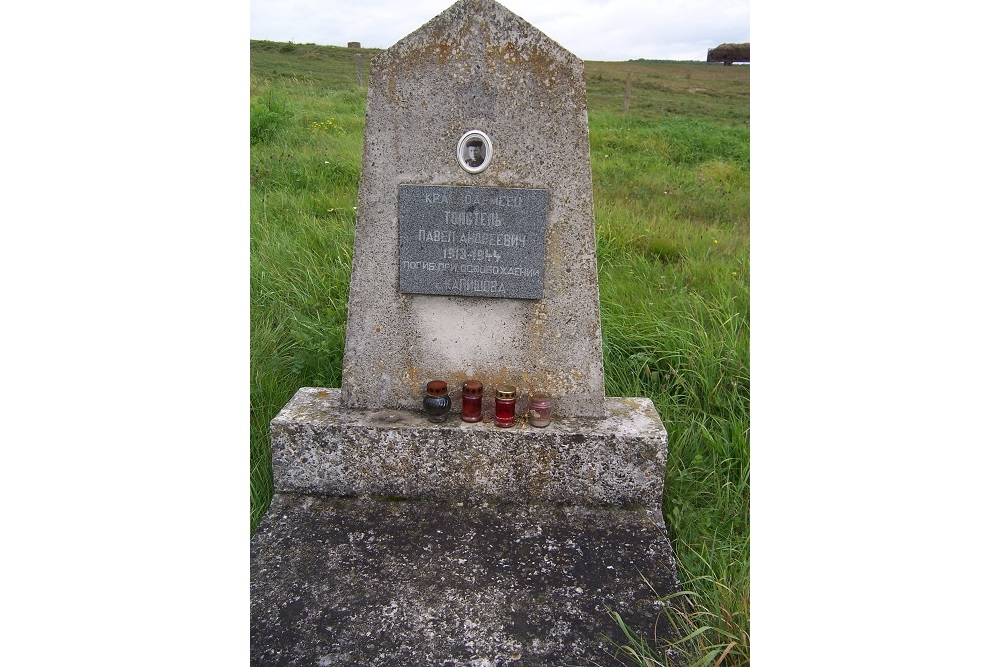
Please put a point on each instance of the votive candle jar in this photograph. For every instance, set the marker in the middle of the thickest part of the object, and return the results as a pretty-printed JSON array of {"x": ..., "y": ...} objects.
[
  {"x": 540, "y": 410},
  {"x": 437, "y": 402},
  {"x": 506, "y": 400},
  {"x": 472, "y": 401}
]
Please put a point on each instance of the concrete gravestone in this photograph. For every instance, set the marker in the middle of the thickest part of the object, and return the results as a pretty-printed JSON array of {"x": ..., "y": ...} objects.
[
  {"x": 486, "y": 272},
  {"x": 392, "y": 540}
]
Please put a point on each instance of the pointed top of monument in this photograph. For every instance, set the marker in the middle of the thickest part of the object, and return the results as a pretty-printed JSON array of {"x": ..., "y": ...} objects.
[{"x": 497, "y": 32}]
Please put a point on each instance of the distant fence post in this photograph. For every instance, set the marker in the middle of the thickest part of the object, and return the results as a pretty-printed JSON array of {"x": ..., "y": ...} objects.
[
  {"x": 357, "y": 67},
  {"x": 628, "y": 92}
]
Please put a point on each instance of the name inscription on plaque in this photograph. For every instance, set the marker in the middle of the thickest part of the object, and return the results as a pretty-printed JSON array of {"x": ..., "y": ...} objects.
[{"x": 469, "y": 241}]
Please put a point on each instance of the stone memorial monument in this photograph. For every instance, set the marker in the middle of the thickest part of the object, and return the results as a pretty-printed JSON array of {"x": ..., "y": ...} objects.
[
  {"x": 485, "y": 272},
  {"x": 395, "y": 539}
]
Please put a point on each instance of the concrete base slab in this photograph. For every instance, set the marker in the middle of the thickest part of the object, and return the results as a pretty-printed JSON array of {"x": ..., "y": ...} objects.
[{"x": 367, "y": 581}]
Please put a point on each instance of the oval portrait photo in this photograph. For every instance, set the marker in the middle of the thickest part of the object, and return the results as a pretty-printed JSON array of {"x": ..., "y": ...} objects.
[{"x": 475, "y": 150}]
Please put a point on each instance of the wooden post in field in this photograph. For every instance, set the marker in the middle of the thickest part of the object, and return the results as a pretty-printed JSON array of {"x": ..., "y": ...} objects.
[
  {"x": 628, "y": 91},
  {"x": 357, "y": 67}
]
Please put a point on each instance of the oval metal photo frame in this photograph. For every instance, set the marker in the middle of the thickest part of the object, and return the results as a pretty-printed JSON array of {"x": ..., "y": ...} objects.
[{"x": 470, "y": 162}]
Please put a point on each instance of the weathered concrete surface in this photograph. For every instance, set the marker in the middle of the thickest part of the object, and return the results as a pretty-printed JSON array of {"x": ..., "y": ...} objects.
[
  {"x": 371, "y": 582},
  {"x": 319, "y": 447},
  {"x": 476, "y": 66}
]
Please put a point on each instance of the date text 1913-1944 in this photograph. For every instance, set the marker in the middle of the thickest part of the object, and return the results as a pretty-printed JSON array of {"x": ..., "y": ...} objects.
[{"x": 470, "y": 241}]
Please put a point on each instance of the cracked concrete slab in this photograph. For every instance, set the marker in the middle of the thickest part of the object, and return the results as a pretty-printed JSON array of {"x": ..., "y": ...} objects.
[{"x": 368, "y": 581}]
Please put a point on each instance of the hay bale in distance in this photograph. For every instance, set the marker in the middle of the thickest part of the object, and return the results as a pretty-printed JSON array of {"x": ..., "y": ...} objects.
[{"x": 730, "y": 53}]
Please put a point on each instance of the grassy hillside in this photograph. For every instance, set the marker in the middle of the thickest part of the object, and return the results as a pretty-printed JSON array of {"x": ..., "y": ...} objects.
[{"x": 672, "y": 206}]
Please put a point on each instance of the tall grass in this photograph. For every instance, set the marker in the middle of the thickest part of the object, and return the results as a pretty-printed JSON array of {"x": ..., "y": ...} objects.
[{"x": 672, "y": 209}]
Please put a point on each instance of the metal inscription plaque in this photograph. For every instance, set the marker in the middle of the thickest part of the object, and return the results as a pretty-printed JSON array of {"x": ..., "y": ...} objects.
[{"x": 467, "y": 241}]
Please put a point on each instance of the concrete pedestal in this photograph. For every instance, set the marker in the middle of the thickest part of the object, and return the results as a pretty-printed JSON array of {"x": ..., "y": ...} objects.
[
  {"x": 395, "y": 541},
  {"x": 319, "y": 447}
]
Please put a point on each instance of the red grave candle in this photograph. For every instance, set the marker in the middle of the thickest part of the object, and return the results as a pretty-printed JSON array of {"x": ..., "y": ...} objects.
[
  {"x": 505, "y": 401},
  {"x": 472, "y": 401}
]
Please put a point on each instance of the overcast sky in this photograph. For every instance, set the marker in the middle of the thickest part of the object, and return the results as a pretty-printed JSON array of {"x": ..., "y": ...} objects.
[{"x": 591, "y": 29}]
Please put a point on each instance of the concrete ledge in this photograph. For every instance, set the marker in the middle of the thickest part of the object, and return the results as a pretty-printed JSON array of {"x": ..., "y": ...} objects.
[
  {"x": 361, "y": 581},
  {"x": 319, "y": 447}
]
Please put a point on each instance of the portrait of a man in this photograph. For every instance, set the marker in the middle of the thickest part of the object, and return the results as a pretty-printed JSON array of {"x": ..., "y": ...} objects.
[{"x": 475, "y": 150}]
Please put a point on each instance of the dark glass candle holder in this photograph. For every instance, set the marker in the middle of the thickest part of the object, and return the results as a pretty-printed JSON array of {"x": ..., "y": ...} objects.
[
  {"x": 437, "y": 402},
  {"x": 506, "y": 400},
  {"x": 472, "y": 401}
]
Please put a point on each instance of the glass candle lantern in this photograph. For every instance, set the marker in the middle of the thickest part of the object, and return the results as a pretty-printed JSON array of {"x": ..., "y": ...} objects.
[
  {"x": 437, "y": 402},
  {"x": 472, "y": 401},
  {"x": 506, "y": 399},
  {"x": 540, "y": 410}
]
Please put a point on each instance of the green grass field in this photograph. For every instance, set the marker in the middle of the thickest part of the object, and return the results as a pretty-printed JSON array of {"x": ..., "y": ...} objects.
[{"x": 672, "y": 207}]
